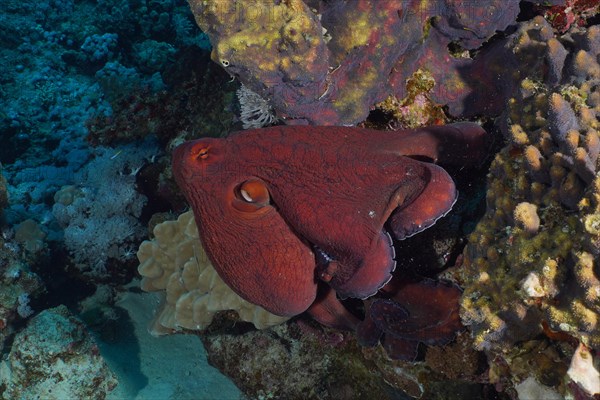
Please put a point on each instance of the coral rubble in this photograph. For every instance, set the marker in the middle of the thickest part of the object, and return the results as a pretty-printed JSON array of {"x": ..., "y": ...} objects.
[{"x": 531, "y": 266}]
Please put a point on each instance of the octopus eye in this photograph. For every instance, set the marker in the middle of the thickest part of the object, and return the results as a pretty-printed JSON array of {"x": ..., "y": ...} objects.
[
  {"x": 202, "y": 153},
  {"x": 254, "y": 191},
  {"x": 251, "y": 195},
  {"x": 246, "y": 196}
]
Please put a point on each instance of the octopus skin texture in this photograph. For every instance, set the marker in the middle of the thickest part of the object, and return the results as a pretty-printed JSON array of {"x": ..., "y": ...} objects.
[{"x": 295, "y": 218}]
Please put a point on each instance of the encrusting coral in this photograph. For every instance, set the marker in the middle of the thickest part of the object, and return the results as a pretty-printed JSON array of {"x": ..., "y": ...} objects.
[
  {"x": 175, "y": 262},
  {"x": 329, "y": 62},
  {"x": 531, "y": 265}
]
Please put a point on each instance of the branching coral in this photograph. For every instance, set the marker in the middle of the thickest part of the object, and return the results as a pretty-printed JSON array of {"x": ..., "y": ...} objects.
[
  {"x": 531, "y": 265},
  {"x": 100, "y": 218}
]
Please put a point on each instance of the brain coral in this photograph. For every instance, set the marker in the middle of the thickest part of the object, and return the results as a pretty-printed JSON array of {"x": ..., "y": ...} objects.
[
  {"x": 533, "y": 259},
  {"x": 175, "y": 262}
]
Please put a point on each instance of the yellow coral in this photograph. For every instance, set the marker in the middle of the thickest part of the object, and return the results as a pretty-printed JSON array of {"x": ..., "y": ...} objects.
[
  {"x": 592, "y": 223},
  {"x": 533, "y": 158},
  {"x": 526, "y": 217},
  {"x": 538, "y": 244},
  {"x": 287, "y": 28}
]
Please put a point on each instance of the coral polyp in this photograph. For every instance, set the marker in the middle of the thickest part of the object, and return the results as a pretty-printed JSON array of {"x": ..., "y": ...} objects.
[{"x": 531, "y": 266}]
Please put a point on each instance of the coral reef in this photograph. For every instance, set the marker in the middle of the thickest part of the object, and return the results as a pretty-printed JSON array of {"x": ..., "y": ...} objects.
[
  {"x": 531, "y": 265},
  {"x": 55, "y": 358},
  {"x": 327, "y": 63},
  {"x": 175, "y": 262},
  {"x": 84, "y": 84},
  {"x": 107, "y": 228},
  {"x": 3, "y": 192},
  {"x": 331, "y": 365},
  {"x": 196, "y": 97},
  {"x": 18, "y": 286},
  {"x": 68, "y": 63},
  {"x": 562, "y": 16},
  {"x": 64, "y": 63}
]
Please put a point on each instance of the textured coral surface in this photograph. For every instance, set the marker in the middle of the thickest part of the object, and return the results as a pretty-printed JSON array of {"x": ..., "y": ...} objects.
[
  {"x": 94, "y": 95},
  {"x": 531, "y": 266},
  {"x": 55, "y": 358},
  {"x": 71, "y": 214},
  {"x": 328, "y": 62},
  {"x": 329, "y": 364},
  {"x": 175, "y": 262}
]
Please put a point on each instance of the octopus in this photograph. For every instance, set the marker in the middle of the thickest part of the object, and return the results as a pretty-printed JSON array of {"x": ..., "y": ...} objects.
[{"x": 298, "y": 218}]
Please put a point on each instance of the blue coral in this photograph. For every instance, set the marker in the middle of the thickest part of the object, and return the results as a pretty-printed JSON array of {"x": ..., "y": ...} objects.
[{"x": 100, "y": 47}]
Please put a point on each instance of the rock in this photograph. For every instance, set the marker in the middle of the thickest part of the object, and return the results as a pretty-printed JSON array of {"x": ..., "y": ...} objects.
[{"x": 55, "y": 358}]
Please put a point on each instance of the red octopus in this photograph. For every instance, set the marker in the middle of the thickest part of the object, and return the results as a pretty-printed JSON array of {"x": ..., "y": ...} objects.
[{"x": 295, "y": 218}]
